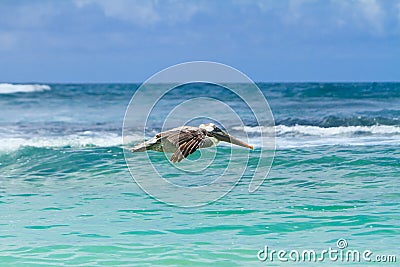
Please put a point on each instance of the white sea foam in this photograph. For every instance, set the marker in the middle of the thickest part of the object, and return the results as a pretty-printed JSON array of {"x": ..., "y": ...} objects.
[
  {"x": 311, "y": 136},
  {"x": 8, "y": 88},
  {"x": 340, "y": 130},
  {"x": 286, "y": 137},
  {"x": 76, "y": 141},
  {"x": 307, "y": 130}
]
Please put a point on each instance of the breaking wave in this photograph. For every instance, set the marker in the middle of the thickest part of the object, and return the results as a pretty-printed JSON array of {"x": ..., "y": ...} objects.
[
  {"x": 8, "y": 88},
  {"x": 307, "y": 130},
  {"x": 75, "y": 141},
  {"x": 286, "y": 137},
  {"x": 308, "y": 136}
]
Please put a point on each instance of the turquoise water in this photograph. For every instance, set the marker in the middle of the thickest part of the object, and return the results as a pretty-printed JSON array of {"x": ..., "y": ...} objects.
[{"x": 66, "y": 195}]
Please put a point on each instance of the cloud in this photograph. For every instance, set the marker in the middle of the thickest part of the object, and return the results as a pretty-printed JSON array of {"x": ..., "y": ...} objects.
[
  {"x": 373, "y": 14},
  {"x": 365, "y": 15},
  {"x": 145, "y": 12},
  {"x": 295, "y": 10},
  {"x": 28, "y": 15},
  {"x": 140, "y": 12}
]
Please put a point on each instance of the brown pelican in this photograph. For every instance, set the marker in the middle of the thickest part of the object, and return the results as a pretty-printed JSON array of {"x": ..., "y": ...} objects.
[{"x": 183, "y": 141}]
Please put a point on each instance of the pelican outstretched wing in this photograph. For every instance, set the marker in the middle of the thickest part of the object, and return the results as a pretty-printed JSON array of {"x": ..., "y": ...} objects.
[{"x": 187, "y": 141}]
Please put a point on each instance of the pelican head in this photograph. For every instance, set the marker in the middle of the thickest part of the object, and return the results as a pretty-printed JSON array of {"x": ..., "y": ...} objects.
[{"x": 214, "y": 131}]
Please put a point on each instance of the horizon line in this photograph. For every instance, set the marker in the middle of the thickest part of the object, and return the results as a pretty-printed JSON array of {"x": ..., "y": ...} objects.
[{"x": 128, "y": 82}]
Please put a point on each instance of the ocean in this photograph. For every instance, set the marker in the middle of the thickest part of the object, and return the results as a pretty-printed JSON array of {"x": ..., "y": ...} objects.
[{"x": 67, "y": 196}]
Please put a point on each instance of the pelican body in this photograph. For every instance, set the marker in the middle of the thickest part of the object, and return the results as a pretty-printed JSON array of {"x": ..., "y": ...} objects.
[{"x": 183, "y": 141}]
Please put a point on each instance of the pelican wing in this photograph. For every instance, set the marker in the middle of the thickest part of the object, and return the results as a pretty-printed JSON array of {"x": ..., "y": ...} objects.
[{"x": 187, "y": 141}]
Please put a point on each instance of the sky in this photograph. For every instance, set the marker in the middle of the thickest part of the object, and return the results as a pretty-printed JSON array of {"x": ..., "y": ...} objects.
[{"x": 77, "y": 41}]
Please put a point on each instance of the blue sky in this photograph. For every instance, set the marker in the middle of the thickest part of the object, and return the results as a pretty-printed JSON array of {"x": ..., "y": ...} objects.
[{"x": 128, "y": 41}]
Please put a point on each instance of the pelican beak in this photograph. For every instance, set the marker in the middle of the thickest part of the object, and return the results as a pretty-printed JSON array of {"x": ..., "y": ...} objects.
[{"x": 224, "y": 137}]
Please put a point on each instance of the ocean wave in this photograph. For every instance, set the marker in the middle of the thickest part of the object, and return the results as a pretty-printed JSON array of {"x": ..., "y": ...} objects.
[
  {"x": 336, "y": 90},
  {"x": 299, "y": 136},
  {"x": 382, "y": 117},
  {"x": 307, "y": 130},
  {"x": 75, "y": 141},
  {"x": 8, "y": 88},
  {"x": 286, "y": 137}
]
